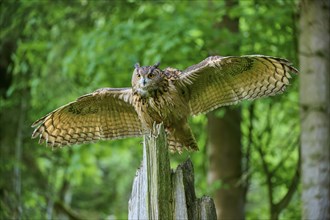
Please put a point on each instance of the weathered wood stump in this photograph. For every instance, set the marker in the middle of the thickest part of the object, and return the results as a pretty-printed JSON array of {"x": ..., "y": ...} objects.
[{"x": 161, "y": 193}]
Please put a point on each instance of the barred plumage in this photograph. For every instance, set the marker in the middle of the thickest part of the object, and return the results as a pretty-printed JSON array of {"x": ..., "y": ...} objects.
[{"x": 169, "y": 96}]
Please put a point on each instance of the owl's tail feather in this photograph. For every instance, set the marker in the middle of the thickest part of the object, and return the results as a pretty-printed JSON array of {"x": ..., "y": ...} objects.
[{"x": 180, "y": 138}]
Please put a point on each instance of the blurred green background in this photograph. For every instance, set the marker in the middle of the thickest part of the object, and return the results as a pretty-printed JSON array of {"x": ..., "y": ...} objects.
[{"x": 55, "y": 51}]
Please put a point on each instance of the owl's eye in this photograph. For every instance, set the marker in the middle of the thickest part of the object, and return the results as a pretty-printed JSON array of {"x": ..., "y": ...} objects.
[
  {"x": 138, "y": 75},
  {"x": 151, "y": 75}
]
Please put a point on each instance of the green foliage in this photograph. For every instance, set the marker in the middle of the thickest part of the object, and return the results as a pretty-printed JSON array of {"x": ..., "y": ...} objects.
[{"x": 65, "y": 49}]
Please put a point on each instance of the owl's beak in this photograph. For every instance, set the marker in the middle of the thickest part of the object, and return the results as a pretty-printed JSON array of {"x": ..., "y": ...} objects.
[{"x": 143, "y": 82}]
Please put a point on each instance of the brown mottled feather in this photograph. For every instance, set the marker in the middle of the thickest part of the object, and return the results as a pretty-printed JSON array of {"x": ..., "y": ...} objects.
[
  {"x": 219, "y": 81},
  {"x": 103, "y": 114},
  {"x": 168, "y": 96}
]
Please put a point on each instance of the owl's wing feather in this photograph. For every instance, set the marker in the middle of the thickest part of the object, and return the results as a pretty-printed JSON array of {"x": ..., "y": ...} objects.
[
  {"x": 219, "y": 81},
  {"x": 104, "y": 114}
]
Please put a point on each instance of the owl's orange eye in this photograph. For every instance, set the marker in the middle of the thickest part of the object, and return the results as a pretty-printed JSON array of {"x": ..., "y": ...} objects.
[
  {"x": 150, "y": 75},
  {"x": 138, "y": 75}
]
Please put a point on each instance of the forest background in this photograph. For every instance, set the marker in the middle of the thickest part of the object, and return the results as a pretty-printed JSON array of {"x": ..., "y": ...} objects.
[{"x": 52, "y": 52}]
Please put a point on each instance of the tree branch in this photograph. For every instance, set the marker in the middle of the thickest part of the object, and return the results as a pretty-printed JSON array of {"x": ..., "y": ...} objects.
[
  {"x": 60, "y": 206},
  {"x": 292, "y": 189},
  {"x": 268, "y": 174},
  {"x": 289, "y": 151}
]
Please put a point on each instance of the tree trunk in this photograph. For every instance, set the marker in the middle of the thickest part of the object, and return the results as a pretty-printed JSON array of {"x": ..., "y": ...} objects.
[
  {"x": 18, "y": 152},
  {"x": 224, "y": 144},
  {"x": 224, "y": 150},
  {"x": 315, "y": 110},
  {"x": 13, "y": 117},
  {"x": 160, "y": 193}
]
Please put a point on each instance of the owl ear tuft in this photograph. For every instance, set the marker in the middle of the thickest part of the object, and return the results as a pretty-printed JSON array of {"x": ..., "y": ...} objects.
[
  {"x": 137, "y": 65},
  {"x": 156, "y": 65}
]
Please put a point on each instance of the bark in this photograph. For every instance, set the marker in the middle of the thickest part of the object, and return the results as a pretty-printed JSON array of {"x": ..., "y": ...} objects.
[
  {"x": 151, "y": 193},
  {"x": 224, "y": 150},
  {"x": 160, "y": 193},
  {"x": 315, "y": 110}
]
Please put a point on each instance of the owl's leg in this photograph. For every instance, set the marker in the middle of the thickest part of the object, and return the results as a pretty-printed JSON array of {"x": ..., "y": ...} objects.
[{"x": 179, "y": 136}]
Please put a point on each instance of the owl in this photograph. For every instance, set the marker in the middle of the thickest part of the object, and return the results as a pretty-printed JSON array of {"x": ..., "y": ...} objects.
[{"x": 169, "y": 96}]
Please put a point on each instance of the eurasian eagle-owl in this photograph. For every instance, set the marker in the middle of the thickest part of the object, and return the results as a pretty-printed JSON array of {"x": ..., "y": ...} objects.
[{"x": 169, "y": 96}]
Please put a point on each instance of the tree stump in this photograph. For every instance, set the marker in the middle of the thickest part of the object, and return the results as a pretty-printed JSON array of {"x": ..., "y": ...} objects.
[{"x": 161, "y": 193}]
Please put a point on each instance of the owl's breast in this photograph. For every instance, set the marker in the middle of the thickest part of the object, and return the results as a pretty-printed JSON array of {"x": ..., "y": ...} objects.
[{"x": 167, "y": 107}]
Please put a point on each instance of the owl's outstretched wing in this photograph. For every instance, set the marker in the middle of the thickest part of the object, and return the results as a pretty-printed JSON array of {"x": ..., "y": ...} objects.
[
  {"x": 219, "y": 81},
  {"x": 104, "y": 114}
]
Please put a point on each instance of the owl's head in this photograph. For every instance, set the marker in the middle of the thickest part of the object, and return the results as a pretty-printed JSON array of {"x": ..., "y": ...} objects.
[{"x": 146, "y": 79}]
